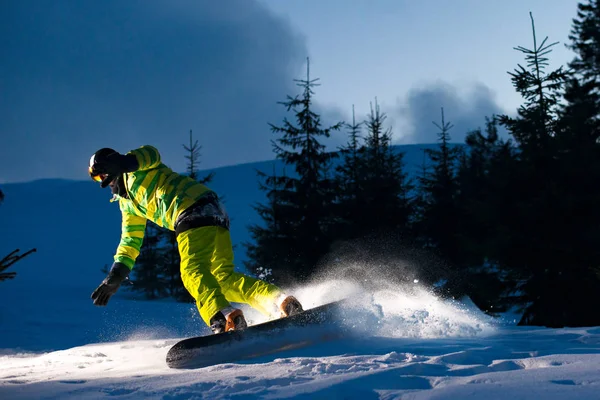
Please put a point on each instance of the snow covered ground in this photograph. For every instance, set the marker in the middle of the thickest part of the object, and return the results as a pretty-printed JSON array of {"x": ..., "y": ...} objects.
[
  {"x": 404, "y": 343},
  {"x": 402, "y": 346}
]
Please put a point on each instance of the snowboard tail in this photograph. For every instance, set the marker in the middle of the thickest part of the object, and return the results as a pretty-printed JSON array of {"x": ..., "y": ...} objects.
[{"x": 311, "y": 326}]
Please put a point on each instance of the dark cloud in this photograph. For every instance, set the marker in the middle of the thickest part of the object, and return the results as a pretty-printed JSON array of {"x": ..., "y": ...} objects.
[
  {"x": 79, "y": 75},
  {"x": 465, "y": 110}
]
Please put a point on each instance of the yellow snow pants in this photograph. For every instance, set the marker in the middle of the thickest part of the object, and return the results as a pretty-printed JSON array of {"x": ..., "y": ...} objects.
[{"x": 207, "y": 273}]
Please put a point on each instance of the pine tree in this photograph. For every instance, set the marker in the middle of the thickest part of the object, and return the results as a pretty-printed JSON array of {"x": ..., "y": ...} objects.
[
  {"x": 533, "y": 129},
  {"x": 194, "y": 161},
  {"x": 349, "y": 202},
  {"x": 576, "y": 216},
  {"x": 475, "y": 188},
  {"x": 566, "y": 291},
  {"x": 580, "y": 115},
  {"x": 373, "y": 195},
  {"x": 585, "y": 41},
  {"x": 438, "y": 207},
  {"x": 147, "y": 274},
  {"x": 307, "y": 195},
  {"x": 170, "y": 271},
  {"x": 535, "y": 123},
  {"x": 537, "y": 220},
  {"x": 482, "y": 183},
  {"x": 383, "y": 179},
  {"x": 373, "y": 205},
  {"x": 420, "y": 202},
  {"x": 273, "y": 241}
]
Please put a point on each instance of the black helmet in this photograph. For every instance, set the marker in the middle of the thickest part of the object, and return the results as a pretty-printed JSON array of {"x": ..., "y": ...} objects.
[{"x": 99, "y": 157}]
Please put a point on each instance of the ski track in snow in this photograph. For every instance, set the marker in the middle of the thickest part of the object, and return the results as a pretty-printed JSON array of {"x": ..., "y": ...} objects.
[{"x": 401, "y": 346}]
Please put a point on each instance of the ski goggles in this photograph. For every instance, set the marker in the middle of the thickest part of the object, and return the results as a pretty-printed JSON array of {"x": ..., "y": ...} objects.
[{"x": 96, "y": 177}]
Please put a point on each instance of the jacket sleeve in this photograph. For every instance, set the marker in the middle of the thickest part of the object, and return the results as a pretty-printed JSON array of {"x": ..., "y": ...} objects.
[
  {"x": 148, "y": 157},
  {"x": 132, "y": 235}
]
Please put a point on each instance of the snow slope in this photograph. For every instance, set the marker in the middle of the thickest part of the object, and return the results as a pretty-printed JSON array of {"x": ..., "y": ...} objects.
[
  {"x": 403, "y": 342},
  {"x": 403, "y": 346}
]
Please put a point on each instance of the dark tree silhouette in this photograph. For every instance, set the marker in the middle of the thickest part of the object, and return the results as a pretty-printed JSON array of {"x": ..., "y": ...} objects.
[
  {"x": 306, "y": 197},
  {"x": 193, "y": 158},
  {"x": 11, "y": 258}
]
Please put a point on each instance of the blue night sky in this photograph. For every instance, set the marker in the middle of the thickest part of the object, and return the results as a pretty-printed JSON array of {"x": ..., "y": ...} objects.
[{"x": 79, "y": 75}]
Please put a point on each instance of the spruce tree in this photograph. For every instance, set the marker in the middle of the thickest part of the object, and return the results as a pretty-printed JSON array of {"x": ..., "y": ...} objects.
[
  {"x": 581, "y": 111},
  {"x": 193, "y": 158},
  {"x": 383, "y": 181},
  {"x": 147, "y": 274},
  {"x": 482, "y": 179},
  {"x": 272, "y": 239},
  {"x": 350, "y": 196},
  {"x": 373, "y": 188},
  {"x": 576, "y": 216},
  {"x": 475, "y": 188},
  {"x": 537, "y": 249},
  {"x": 307, "y": 195},
  {"x": 577, "y": 158},
  {"x": 438, "y": 208},
  {"x": 536, "y": 120},
  {"x": 420, "y": 202},
  {"x": 585, "y": 41}
]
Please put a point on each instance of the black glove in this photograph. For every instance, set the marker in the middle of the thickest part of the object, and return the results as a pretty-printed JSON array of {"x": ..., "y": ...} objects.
[
  {"x": 109, "y": 286},
  {"x": 115, "y": 165}
]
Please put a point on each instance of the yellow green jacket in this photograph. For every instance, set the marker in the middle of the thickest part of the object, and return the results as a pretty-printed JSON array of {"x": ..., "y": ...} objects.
[{"x": 155, "y": 193}]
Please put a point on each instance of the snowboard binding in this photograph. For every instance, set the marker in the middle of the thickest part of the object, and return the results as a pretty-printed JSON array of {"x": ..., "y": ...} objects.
[{"x": 233, "y": 321}]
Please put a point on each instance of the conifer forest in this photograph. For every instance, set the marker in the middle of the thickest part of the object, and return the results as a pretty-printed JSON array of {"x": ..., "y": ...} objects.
[{"x": 510, "y": 220}]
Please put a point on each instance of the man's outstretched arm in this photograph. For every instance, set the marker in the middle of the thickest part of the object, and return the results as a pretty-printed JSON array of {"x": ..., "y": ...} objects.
[{"x": 132, "y": 235}]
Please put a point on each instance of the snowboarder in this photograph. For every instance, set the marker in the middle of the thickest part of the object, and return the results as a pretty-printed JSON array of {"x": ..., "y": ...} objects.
[{"x": 148, "y": 190}]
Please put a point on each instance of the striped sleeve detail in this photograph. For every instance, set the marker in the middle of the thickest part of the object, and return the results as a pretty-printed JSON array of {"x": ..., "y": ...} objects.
[
  {"x": 148, "y": 157},
  {"x": 145, "y": 188},
  {"x": 132, "y": 235}
]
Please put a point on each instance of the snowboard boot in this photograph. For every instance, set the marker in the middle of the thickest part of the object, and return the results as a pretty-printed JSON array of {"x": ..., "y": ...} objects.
[
  {"x": 290, "y": 306},
  {"x": 228, "y": 319}
]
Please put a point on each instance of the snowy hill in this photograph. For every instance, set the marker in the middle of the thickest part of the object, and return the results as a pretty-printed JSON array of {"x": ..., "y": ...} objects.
[
  {"x": 405, "y": 343},
  {"x": 405, "y": 347},
  {"x": 491, "y": 368}
]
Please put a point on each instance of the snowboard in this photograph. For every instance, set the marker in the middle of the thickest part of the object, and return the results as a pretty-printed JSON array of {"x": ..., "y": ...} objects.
[{"x": 315, "y": 325}]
